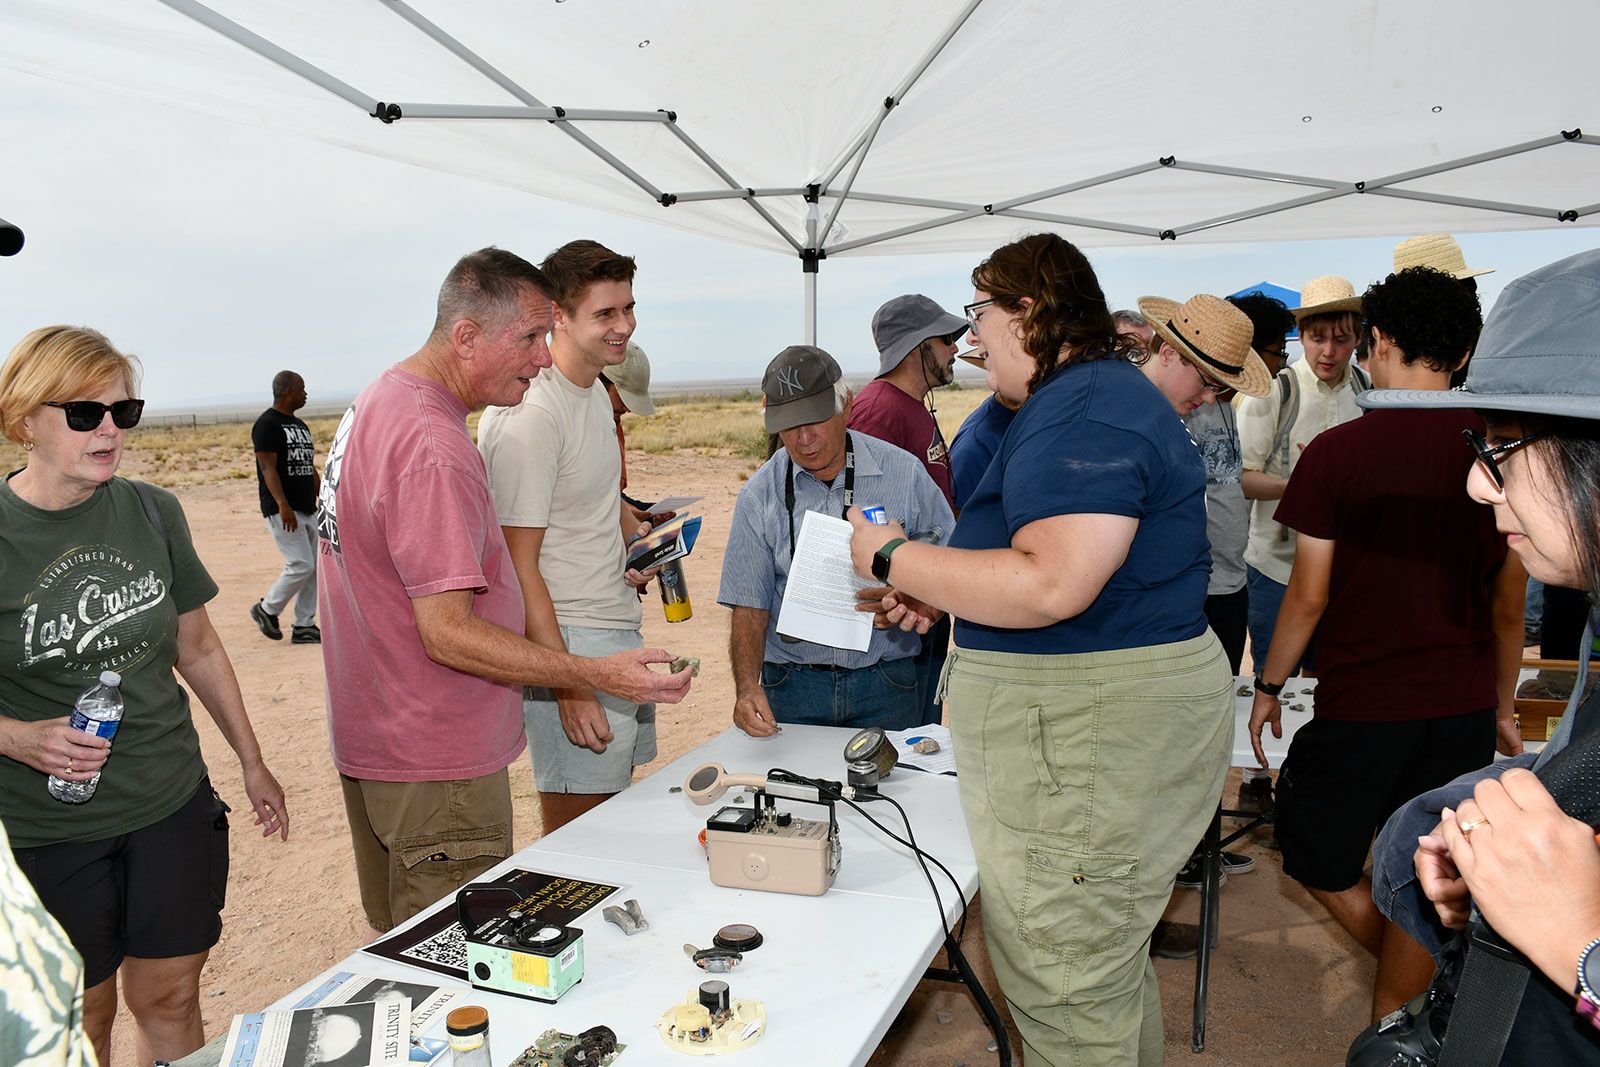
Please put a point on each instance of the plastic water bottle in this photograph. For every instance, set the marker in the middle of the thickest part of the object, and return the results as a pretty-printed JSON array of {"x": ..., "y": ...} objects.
[{"x": 97, "y": 713}]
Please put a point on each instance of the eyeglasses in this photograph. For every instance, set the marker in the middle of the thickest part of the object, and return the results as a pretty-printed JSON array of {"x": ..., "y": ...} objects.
[
  {"x": 1219, "y": 388},
  {"x": 86, "y": 415},
  {"x": 972, "y": 310},
  {"x": 1488, "y": 454}
]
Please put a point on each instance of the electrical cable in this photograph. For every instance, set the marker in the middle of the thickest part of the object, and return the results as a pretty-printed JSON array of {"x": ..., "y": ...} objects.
[{"x": 830, "y": 790}]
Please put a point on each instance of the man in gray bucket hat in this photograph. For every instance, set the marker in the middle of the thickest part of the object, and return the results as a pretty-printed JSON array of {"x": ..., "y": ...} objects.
[
  {"x": 916, "y": 339},
  {"x": 824, "y": 467}
]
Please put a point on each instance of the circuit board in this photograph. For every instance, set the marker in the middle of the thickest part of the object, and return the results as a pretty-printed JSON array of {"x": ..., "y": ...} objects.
[{"x": 595, "y": 1047}]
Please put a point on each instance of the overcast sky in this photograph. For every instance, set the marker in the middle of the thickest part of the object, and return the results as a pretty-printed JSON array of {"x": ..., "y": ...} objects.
[{"x": 222, "y": 253}]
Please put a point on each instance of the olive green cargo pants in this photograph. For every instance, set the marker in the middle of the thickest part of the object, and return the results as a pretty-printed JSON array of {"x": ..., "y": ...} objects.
[{"x": 1086, "y": 781}]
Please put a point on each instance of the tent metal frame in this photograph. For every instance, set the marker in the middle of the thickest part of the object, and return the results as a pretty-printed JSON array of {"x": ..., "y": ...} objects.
[{"x": 814, "y": 246}]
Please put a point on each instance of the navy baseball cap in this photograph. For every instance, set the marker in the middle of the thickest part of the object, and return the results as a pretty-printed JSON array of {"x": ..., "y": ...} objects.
[{"x": 1539, "y": 352}]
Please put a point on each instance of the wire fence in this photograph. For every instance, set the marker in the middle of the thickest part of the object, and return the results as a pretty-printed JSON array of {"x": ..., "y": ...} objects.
[{"x": 224, "y": 418}]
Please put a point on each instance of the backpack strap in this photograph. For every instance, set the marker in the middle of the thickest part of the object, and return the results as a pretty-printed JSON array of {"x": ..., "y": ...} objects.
[
  {"x": 1288, "y": 412},
  {"x": 152, "y": 510},
  {"x": 1360, "y": 380}
]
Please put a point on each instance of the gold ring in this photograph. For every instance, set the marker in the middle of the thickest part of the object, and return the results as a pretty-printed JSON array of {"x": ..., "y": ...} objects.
[
  {"x": 69, "y": 764},
  {"x": 1469, "y": 825}
]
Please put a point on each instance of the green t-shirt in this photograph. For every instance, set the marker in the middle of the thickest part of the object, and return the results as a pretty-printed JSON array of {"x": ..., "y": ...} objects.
[{"x": 91, "y": 588}]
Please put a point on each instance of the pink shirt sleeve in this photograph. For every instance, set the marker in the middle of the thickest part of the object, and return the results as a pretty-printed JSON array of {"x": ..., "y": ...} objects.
[{"x": 437, "y": 522}]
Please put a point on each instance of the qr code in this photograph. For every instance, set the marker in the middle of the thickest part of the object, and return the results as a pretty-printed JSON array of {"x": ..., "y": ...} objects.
[{"x": 447, "y": 948}]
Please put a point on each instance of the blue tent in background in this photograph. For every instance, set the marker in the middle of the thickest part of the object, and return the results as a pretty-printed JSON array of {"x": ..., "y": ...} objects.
[{"x": 1290, "y": 298}]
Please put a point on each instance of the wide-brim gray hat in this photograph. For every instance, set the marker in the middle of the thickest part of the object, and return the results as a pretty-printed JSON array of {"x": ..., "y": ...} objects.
[
  {"x": 903, "y": 323},
  {"x": 798, "y": 388},
  {"x": 1539, "y": 352}
]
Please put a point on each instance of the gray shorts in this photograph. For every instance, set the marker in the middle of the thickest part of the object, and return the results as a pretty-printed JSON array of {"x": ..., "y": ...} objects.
[{"x": 559, "y": 766}]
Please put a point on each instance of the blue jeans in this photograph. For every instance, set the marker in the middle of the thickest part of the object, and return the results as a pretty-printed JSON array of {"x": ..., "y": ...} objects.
[
  {"x": 930, "y": 668},
  {"x": 886, "y": 694},
  {"x": 1394, "y": 874},
  {"x": 1533, "y": 606},
  {"x": 1266, "y": 597}
]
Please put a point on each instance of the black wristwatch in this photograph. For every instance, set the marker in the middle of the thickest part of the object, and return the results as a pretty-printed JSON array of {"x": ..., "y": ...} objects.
[
  {"x": 1264, "y": 686},
  {"x": 880, "y": 559}
]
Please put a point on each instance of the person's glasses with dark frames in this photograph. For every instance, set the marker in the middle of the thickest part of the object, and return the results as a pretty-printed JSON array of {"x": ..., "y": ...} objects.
[
  {"x": 1489, "y": 454},
  {"x": 86, "y": 415}
]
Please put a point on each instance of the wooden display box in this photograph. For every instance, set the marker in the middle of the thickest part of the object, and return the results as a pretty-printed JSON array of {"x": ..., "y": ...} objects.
[{"x": 1542, "y": 693}]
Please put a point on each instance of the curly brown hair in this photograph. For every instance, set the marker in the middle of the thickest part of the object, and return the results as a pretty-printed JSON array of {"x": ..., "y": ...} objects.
[{"x": 1066, "y": 318}]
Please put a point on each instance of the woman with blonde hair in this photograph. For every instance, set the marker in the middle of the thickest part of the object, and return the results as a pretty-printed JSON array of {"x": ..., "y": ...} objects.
[
  {"x": 99, "y": 574},
  {"x": 1091, "y": 705}
]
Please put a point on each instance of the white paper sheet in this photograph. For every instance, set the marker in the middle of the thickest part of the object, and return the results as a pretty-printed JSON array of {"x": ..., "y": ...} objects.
[
  {"x": 673, "y": 503},
  {"x": 940, "y": 762},
  {"x": 819, "y": 601}
]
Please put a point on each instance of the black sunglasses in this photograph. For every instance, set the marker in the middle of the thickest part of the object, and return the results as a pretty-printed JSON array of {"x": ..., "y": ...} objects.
[
  {"x": 86, "y": 415},
  {"x": 1489, "y": 454}
]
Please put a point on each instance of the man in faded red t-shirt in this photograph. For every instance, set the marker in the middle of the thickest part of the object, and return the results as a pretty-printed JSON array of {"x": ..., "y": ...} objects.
[
  {"x": 422, "y": 616},
  {"x": 1417, "y": 612},
  {"x": 916, "y": 341}
]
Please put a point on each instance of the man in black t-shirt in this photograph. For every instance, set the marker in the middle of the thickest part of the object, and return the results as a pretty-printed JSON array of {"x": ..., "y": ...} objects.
[{"x": 286, "y": 477}]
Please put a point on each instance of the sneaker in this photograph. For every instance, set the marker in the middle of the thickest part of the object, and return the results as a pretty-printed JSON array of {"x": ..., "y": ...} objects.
[
  {"x": 1193, "y": 872},
  {"x": 267, "y": 623},
  {"x": 1255, "y": 795},
  {"x": 1176, "y": 941},
  {"x": 306, "y": 635}
]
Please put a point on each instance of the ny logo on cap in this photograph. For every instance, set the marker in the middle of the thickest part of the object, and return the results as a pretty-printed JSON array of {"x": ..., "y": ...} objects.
[{"x": 789, "y": 381}]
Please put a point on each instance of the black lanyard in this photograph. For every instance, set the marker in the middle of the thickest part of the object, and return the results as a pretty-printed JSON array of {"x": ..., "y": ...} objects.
[{"x": 849, "y": 487}]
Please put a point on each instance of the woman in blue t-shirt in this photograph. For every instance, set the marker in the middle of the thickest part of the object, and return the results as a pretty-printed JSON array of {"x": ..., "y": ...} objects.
[{"x": 1091, "y": 706}]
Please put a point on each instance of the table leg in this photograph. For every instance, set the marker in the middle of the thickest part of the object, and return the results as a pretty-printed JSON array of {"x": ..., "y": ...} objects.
[
  {"x": 964, "y": 975},
  {"x": 1210, "y": 894}
]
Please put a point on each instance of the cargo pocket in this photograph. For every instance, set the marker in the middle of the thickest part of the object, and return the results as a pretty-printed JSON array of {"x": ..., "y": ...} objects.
[
  {"x": 459, "y": 846},
  {"x": 1075, "y": 904},
  {"x": 436, "y": 865},
  {"x": 219, "y": 848}
]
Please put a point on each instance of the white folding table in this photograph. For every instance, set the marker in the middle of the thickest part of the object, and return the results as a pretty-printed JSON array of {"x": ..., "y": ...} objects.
[{"x": 834, "y": 970}]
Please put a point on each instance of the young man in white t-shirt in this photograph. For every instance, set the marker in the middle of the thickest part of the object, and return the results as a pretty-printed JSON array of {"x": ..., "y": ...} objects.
[{"x": 556, "y": 473}]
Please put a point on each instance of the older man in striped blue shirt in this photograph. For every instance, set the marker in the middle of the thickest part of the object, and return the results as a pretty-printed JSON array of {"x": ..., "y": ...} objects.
[{"x": 821, "y": 467}]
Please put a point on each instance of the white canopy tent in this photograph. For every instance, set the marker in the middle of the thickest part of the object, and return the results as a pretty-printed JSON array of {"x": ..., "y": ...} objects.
[{"x": 834, "y": 128}]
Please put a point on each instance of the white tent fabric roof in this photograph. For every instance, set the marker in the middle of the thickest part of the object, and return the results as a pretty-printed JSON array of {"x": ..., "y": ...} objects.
[{"x": 1017, "y": 98}]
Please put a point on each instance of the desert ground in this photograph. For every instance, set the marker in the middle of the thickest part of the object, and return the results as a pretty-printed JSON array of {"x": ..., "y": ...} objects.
[{"x": 1287, "y": 986}]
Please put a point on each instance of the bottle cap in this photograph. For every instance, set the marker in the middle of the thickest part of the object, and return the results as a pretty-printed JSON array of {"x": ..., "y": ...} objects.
[
  {"x": 469, "y": 1020},
  {"x": 110, "y": 678}
]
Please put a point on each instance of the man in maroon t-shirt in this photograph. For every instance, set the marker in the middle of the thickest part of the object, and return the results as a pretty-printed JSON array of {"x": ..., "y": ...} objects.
[
  {"x": 916, "y": 354},
  {"x": 916, "y": 341},
  {"x": 1414, "y": 603}
]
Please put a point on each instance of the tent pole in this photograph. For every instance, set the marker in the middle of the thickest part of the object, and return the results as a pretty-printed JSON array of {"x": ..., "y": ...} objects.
[
  {"x": 810, "y": 268},
  {"x": 811, "y": 260},
  {"x": 271, "y": 52},
  {"x": 1255, "y": 213},
  {"x": 894, "y": 99},
  {"x": 1463, "y": 201},
  {"x": 722, "y": 172}
]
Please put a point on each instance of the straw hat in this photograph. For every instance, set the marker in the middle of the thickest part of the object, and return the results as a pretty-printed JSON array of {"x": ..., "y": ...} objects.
[
  {"x": 1213, "y": 335},
  {"x": 1437, "y": 250},
  {"x": 1326, "y": 295}
]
